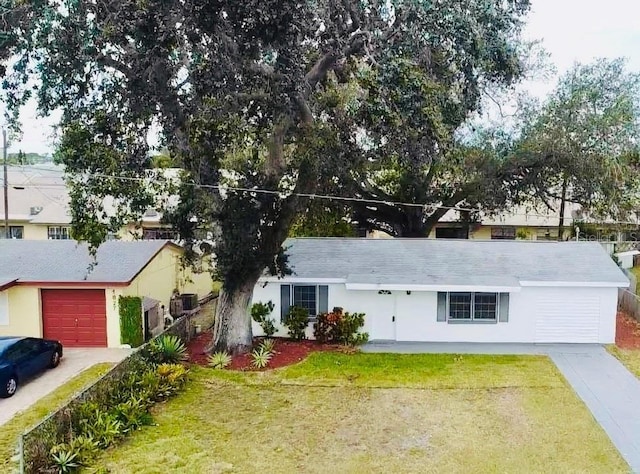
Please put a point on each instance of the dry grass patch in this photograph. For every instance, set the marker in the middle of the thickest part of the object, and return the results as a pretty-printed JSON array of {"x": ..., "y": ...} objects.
[{"x": 433, "y": 422}]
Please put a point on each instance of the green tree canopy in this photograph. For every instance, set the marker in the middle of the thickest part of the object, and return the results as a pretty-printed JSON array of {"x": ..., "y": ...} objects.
[{"x": 581, "y": 144}]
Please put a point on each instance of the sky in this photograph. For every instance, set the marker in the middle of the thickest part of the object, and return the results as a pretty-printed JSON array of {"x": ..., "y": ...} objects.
[{"x": 570, "y": 30}]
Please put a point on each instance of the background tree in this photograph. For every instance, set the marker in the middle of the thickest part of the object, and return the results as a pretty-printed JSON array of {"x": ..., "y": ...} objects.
[
  {"x": 242, "y": 95},
  {"x": 580, "y": 145},
  {"x": 409, "y": 107}
]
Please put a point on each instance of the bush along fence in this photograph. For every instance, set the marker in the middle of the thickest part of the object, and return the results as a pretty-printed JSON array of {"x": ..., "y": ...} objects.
[{"x": 115, "y": 405}]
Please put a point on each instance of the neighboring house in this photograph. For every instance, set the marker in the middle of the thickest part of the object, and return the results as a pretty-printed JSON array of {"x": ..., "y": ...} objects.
[
  {"x": 454, "y": 290},
  {"x": 39, "y": 208},
  {"x": 526, "y": 223},
  {"x": 50, "y": 288}
]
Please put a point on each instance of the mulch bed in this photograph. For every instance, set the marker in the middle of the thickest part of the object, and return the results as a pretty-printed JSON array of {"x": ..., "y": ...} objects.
[
  {"x": 286, "y": 352},
  {"x": 627, "y": 331}
]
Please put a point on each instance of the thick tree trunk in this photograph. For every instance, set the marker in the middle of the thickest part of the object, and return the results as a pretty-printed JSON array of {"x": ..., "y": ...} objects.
[
  {"x": 563, "y": 202},
  {"x": 232, "y": 325}
]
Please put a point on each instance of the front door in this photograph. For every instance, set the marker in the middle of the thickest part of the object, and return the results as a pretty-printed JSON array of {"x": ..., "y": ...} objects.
[{"x": 383, "y": 322}]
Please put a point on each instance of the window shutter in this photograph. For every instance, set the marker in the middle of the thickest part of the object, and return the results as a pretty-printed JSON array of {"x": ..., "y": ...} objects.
[
  {"x": 323, "y": 299},
  {"x": 503, "y": 311},
  {"x": 442, "y": 306},
  {"x": 285, "y": 301}
]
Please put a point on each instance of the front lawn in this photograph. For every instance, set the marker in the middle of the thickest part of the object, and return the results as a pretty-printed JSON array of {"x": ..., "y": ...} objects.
[
  {"x": 11, "y": 430},
  {"x": 374, "y": 413}
]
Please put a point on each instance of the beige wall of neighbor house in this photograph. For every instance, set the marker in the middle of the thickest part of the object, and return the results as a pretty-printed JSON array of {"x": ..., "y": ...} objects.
[
  {"x": 24, "y": 312},
  {"x": 113, "y": 316},
  {"x": 35, "y": 232},
  {"x": 164, "y": 274}
]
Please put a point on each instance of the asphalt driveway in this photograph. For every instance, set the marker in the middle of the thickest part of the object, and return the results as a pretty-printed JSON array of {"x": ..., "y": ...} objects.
[
  {"x": 607, "y": 388},
  {"x": 73, "y": 362}
]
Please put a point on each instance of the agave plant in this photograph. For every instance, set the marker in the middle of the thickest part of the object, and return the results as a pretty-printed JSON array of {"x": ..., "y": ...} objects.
[
  {"x": 219, "y": 360},
  {"x": 268, "y": 344},
  {"x": 65, "y": 460},
  {"x": 260, "y": 358},
  {"x": 169, "y": 350}
]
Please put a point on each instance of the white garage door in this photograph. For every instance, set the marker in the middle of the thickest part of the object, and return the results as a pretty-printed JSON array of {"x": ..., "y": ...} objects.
[{"x": 559, "y": 319}]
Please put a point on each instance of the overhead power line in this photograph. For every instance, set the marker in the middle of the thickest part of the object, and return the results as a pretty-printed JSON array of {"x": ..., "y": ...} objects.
[{"x": 327, "y": 197}]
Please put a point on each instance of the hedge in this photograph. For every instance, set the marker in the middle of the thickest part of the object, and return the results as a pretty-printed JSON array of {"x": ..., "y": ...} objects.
[{"x": 131, "y": 332}]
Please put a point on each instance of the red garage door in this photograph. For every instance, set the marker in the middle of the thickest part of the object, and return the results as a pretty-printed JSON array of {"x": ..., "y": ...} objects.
[{"x": 77, "y": 318}]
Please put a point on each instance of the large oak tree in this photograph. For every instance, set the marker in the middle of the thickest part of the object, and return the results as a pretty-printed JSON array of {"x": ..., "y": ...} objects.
[{"x": 242, "y": 95}]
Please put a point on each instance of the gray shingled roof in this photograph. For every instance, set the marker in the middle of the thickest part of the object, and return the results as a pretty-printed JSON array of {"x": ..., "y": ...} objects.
[
  {"x": 68, "y": 261},
  {"x": 451, "y": 262}
]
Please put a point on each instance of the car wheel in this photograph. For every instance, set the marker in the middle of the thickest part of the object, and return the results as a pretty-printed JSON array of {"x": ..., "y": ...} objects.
[
  {"x": 55, "y": 359},
  {"x": 9, "y": 387}
]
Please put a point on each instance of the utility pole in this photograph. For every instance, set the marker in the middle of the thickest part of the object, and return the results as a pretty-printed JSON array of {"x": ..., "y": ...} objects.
[{"x": 6, "y": 184}]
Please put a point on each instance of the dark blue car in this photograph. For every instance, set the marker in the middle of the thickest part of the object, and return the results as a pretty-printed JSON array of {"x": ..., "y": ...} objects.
[{"x": 24, "y": 357}]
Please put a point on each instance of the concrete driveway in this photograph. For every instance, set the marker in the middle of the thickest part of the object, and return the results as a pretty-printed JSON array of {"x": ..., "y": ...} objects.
[
  {"x": 609, "y": 390},
  {"x": 73, "y": 362}
]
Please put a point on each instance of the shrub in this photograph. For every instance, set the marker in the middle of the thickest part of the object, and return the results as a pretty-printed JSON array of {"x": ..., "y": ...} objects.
[
  {"x": 133, "y": 414},
  {"x": 260, "y": 358},
  {"x": 338, "y": 327},
  {"x": 219, "y": 360},
  {"x": 296, "y": 322},
  {"x": 260, "y": 313},
  {"x": 130, "y": 309},
  {"x": 103, "y": 427},
  {"x": 167, "y": 350},
  {"x": 172, "y": 379},
  {"x": 69, "y": 457}
]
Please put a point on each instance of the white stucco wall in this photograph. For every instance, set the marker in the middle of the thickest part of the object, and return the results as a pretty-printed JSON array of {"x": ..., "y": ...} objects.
[{"x": 415, "y": 314}]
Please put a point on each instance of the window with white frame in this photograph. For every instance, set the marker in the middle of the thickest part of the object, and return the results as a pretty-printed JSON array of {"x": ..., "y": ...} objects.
[
  {"x": 306, "y": 296},
  {"x": 59, "y": 233},
  {"x": 473, "y": 306}
]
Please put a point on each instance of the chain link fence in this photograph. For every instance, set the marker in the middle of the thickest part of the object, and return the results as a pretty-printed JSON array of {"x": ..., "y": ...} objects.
[{"x": 35, "y": 444}]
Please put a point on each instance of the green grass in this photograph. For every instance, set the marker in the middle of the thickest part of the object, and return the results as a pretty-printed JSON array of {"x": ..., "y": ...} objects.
[
  {"x": 374, "y": 413},
  {"x": 629, "y": 357},
  {"x": 24, "y": 420}
]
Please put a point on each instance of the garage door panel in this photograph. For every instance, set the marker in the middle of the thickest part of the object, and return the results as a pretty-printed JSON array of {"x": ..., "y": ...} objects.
[
  {"x": 75, "y": 317},
  {"x": 559, "y": 319}
]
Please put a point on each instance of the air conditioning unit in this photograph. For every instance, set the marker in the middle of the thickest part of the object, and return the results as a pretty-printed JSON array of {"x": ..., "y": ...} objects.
[{"x": 189, "y": 301}]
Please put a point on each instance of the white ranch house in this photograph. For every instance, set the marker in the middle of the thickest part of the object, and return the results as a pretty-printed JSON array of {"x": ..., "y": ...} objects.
[{"x": 454, "y": 290}]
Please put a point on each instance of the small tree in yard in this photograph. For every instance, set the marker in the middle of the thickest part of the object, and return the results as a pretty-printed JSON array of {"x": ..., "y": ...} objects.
[
  {"x": 246, "y": 96},
  {"x": 296, "y": 321},
  {"x": 260, "y": 313}
]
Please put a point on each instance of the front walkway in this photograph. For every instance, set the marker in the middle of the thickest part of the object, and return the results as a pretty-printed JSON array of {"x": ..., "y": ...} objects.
[{"x": 609, "y": 390}]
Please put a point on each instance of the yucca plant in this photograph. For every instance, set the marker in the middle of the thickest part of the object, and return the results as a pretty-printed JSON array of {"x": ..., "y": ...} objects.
[
  {"x": 268, "y": 344},
  {"x": 219, "y": 360},
  {"x": 260, "y": 358},
  {"x": 169, "y": 350},
  {"x": 65, "y": 460}
]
